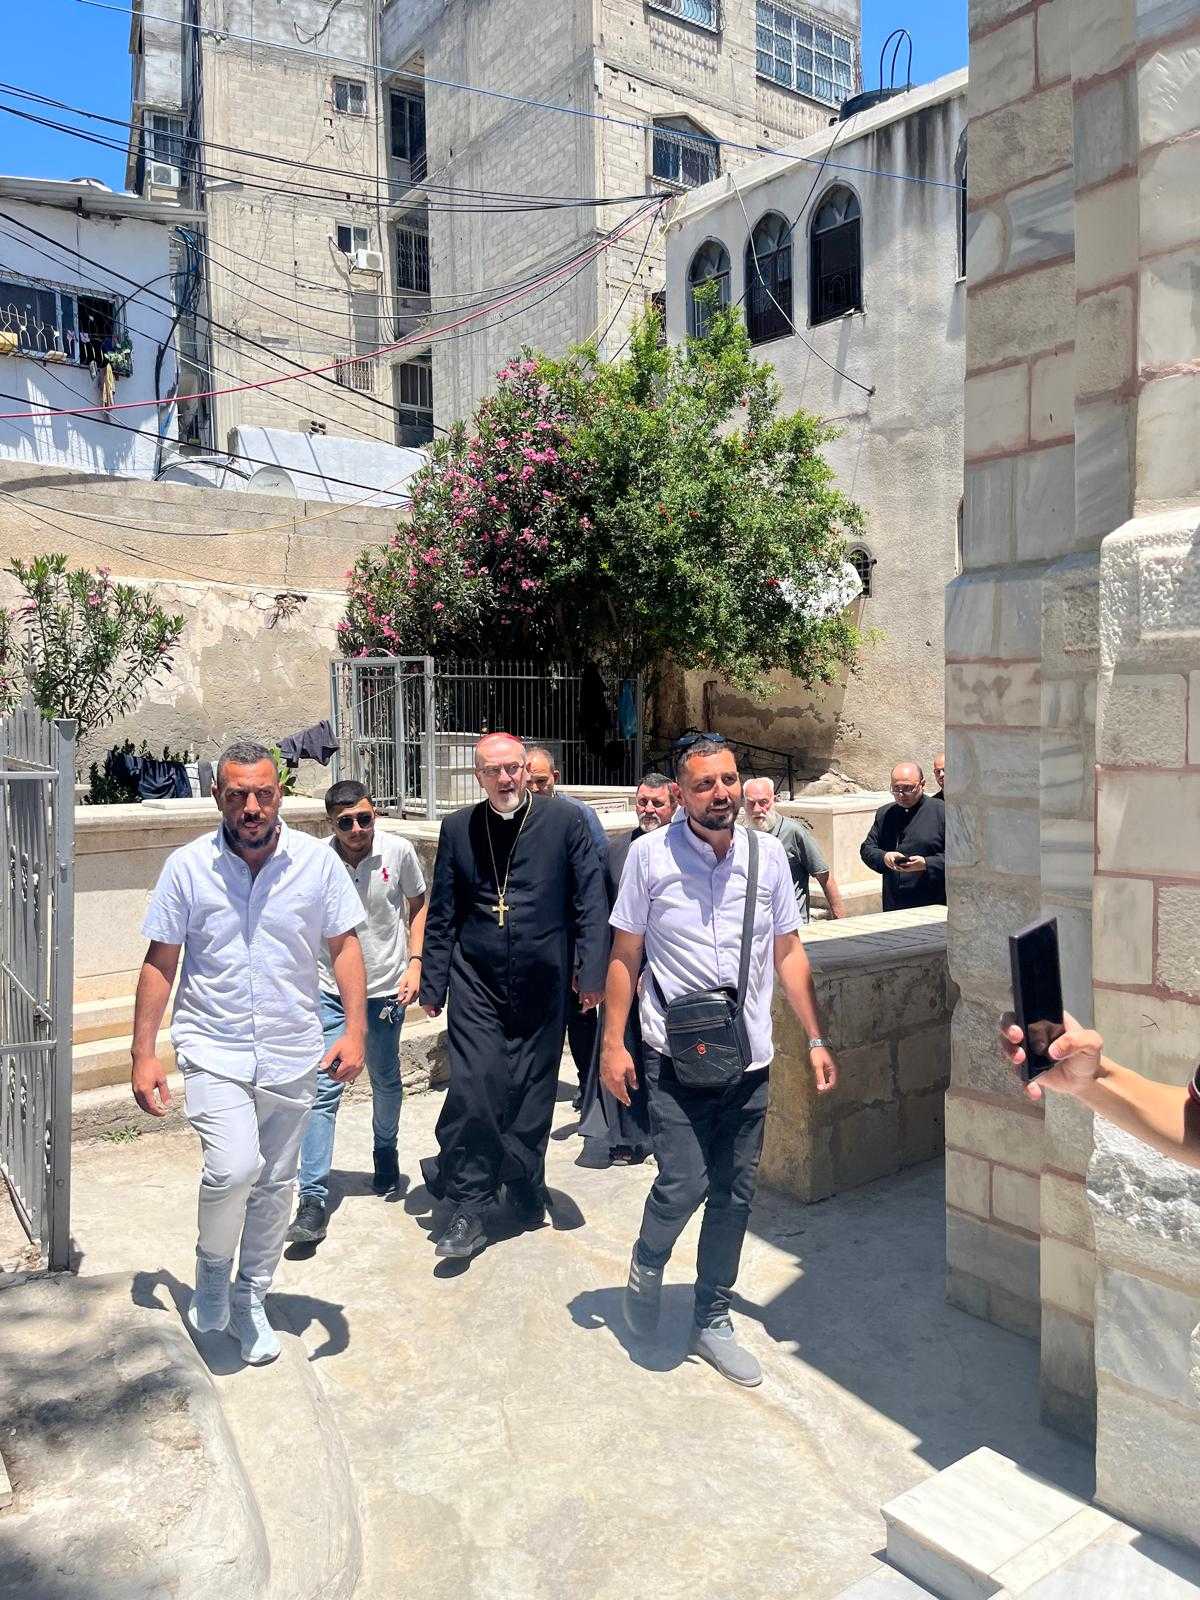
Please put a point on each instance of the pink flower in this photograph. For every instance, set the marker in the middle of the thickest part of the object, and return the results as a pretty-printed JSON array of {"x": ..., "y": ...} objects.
[
  {"x": 438, "y": 606},
  {"x": 528, "y": 583},
  {"x": 501, "y": 444}
]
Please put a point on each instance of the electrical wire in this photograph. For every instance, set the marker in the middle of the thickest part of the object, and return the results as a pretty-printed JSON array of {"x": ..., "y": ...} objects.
[
  {"x": 224, "y": 35},
  {"x": 654, "y": 222}
]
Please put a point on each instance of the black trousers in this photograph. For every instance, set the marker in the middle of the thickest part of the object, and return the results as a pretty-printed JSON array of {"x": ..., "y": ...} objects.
[
  {"x": 707, "y": 1145},
  {"x": 581, "y": 1035}
]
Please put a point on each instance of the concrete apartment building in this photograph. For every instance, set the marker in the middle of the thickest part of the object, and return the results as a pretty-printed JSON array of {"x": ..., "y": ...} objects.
[
  {"x": 675, "y": 77},
  {"x": 273, "y": 121},
  {"x": 854, "y": 291},
  {"x": 380, "y": 226}
]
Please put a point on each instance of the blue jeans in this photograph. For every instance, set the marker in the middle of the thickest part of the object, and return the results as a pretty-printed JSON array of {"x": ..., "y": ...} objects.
[{"x": 383, "y": 1067}]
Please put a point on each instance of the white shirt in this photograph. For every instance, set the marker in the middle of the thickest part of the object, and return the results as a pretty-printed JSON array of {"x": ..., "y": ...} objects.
[
  {"x": 688, "y": 906},
  {"x": 384, "y": 881},
  {"x": 247, "y": 1001}
]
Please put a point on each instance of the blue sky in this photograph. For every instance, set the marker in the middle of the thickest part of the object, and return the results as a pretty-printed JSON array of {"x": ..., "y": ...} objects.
[{"x": 91, "y": 68}]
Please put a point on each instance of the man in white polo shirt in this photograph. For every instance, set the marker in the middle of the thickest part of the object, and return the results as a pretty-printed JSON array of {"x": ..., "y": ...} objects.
[
  {"x": 249, "y": 907},
  {"x": 682, "y": 903},
  {"x": 389, "y": 882}
]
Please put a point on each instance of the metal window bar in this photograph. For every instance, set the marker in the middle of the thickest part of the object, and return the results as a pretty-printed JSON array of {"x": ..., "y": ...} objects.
[
  {"x": 685, "y": 159},
  {"x": 407, "y": 726},
  {"x": 37, "y": 832},
  {"x": 704, "y": 13}
]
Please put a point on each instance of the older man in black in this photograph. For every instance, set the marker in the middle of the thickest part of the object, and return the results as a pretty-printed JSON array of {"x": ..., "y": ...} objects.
[
  {"x": 516, "y": 888},
  {"x": 907, "y": 843}
]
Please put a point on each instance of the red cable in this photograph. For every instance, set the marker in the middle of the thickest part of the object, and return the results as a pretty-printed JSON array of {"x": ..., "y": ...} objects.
[{"x": 584, "y": 258}]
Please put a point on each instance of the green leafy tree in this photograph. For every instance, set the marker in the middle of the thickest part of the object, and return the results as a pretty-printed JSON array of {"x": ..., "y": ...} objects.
[
  {"x": 84, "y": 646},
  {"x": 652, "y": 508}
]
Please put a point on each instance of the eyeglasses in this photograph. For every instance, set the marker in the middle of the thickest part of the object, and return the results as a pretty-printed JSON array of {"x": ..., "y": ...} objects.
[
  {"x": 355, "y": 819},
  {"x": 687, "y": 740},
  {"x": 511, "y": 769},
  {"x": 905, "y": 788}
]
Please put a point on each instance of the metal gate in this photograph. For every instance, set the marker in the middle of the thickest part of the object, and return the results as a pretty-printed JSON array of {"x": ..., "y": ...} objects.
[
  {"x": 407, "y": 725},
  {"x": 37, "y": 860}
]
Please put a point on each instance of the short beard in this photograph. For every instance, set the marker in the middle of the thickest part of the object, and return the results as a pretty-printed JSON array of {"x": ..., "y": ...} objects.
[
  {"x": 718, "y": 824},
  {"x": 760, "y": 824},
  {"x": 506, "y": 804},
  {"x": 649, "y": 822}
]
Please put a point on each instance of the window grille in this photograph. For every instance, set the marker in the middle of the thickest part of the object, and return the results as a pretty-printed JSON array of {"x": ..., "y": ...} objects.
[
  {"x": 710, "y": 264},
  {"x": 414, "y": 402},
  {"x": 164, "y": 138},
  {"x": 59, "y": 325},
  {"x": 684, "y": 158},
  {"x": 769, "y": 279},
  {"x": 350, "y": 97},
  {"x": 704, "y": 13},
  {"x": 412, "y": 254},
  {"x": 357, "y": 375},
  {"x": 835, "y": 276},
  {"x": 862, "y": 561},
  {"x": 803, "y": 54}
]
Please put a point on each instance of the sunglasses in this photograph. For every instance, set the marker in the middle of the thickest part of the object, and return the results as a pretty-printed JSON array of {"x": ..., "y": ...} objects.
[{"x": 355, "y": 819}]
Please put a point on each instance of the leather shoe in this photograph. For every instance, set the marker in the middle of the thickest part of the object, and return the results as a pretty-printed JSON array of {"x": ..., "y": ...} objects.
[{"x": 462, "y": 1238}]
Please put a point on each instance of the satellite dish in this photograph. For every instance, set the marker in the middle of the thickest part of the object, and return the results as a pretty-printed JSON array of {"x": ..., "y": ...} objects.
[{"x": 272, "y": 480}]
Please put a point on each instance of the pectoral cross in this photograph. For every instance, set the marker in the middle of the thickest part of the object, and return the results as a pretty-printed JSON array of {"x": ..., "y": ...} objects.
[{"x": 501, "y": 910}]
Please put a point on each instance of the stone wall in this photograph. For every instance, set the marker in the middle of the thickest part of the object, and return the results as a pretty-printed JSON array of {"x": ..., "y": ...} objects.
[
  {"x": 886, "y": 998},
  {"x": 1073, "y": 647},
  {"x": 251, "y": 662}
]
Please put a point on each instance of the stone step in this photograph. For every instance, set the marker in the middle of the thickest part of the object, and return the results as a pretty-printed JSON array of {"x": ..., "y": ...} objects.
[
  {"x": 102, "y": 1019},
  {"x": 986, "y": 1529},
  {"x": 105, "y": 1061},
  {"x": 886, "y": 1584}
]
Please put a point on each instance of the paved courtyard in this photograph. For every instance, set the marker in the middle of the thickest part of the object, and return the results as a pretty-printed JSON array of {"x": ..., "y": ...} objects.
[{"x": 510, "y": 1442}]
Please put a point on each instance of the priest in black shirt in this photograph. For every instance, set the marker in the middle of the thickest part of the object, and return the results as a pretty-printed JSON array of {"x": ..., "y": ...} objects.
[
  {"x": 907, "y": 843},
  {"x": 516, "y": 885}
]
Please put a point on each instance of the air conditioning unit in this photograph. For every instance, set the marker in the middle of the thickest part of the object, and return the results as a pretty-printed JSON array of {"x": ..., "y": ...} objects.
[
  {"x": 164, "y": 176},
  {"x": 368, "y": 261}
]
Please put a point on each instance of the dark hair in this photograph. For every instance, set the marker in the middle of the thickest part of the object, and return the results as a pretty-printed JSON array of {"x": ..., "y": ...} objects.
[
  {"x": 542, "y": 750},
  {"x": 347, "y": 793},
  {"x": 241, "y": 753},
  {"x": 700, "y": 747},
  {"x": 654, "y": 780}
]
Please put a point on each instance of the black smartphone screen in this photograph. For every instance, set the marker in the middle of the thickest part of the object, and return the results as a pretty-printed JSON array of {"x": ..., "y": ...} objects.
[{"x": 1037, "y": 992}]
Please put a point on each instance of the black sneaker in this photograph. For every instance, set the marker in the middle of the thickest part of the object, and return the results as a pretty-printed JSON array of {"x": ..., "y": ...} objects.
[
  {"x": 462, "y": 1238},
  {"x": 527, "y": 1203},
  {"x": 311, "y": 1224},
  {"x": 387, "y": 1169},
  {"x": 643, "y": 1298}
]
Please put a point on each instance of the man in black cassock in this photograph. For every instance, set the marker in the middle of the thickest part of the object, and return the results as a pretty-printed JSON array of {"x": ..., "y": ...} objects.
[
  {"x": 516, "y": 885},
  {"x": 907, "y": 843}
]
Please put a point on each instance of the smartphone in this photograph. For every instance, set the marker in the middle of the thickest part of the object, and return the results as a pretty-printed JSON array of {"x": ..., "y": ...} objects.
[{"x": 1037, "y": 992}]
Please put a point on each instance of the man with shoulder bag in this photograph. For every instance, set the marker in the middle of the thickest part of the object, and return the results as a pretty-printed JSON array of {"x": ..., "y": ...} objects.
[{"x": 714, "y": 911}]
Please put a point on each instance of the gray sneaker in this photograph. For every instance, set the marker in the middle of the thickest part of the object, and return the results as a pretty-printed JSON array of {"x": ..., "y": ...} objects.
[
  {"x": 643, "y": 1296},
  {"x": 719, "y": 1347}
]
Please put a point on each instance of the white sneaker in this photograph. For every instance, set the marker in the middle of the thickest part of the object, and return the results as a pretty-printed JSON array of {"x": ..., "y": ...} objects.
[
  {"x": 208, "y": 1309},
  {"x": 249, "y": 1326}
]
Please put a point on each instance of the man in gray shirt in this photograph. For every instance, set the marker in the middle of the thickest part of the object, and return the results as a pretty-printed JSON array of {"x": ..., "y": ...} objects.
[{"x": 802, "y": 850}]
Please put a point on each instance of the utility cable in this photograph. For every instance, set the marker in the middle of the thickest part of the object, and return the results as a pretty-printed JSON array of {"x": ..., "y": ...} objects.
[{"x": 224, "y": 35}]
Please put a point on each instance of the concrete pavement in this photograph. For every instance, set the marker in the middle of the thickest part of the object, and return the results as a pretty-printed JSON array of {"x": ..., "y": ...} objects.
[{"x": 509, "y": 1441}]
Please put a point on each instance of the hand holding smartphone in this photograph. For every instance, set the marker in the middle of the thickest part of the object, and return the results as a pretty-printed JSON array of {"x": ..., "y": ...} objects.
[{"x": 1037, "y": 992}]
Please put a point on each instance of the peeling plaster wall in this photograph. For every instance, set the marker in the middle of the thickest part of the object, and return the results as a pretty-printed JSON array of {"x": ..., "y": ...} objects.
[{"x": 899, "y": 454}]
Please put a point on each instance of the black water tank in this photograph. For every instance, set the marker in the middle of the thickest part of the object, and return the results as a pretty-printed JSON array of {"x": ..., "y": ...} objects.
[{"x": 864, "y": 102}]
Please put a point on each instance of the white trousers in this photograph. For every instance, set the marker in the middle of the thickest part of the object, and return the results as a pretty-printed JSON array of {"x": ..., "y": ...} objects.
[{"x": 251, "y": 1136}]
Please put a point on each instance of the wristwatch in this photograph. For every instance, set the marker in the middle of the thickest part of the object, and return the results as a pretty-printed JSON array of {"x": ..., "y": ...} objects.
[{"x": 819, "y": 1044}]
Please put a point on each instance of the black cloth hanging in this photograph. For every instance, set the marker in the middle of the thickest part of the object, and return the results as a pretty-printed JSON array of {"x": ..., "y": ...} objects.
[{"x": 317, "y": 743}]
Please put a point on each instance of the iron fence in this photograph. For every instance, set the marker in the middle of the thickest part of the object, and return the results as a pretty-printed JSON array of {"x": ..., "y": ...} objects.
[
  {"x": 37, "y": 839},
  {"x": 407, "y": 725}
]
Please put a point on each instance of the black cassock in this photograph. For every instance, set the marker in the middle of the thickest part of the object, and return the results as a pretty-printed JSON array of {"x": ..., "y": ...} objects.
[{"x": 505, "y": 987}]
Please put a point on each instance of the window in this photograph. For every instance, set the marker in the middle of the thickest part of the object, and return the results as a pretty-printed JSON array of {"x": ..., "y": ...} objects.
[
  {"x": 408, "y": 131},
  {"x": 960, "y": 172},
  {"x": 164, "y": 138},
  {"x": 656, "y": 301},
  {"x": 702, "y": 12},
  {"x": 350, "y": 97},
  {"x": 862, "y": 561},
  {"x": 710, "y": 264},
  {"x": 683, "y": 155},
  {"x": 414, "y": 402},
  {"x": 53, "y": 324},
  {"x": 804, "y": 55},
  {"x": 769, "y": 279},
  {"x": 351, "y": 238},
  {"x": 835, "y": 276},
  {"x": 412, "y": 253}
]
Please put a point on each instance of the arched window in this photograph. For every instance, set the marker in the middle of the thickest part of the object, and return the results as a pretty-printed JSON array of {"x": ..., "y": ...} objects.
[
  {"x": 684, "y": 155},
  {"x": 710, "y": 264},
  {"x": 861, "y": 559},
  {"x": 835, "y": 278},
  {"x": 769, "y": 279}
]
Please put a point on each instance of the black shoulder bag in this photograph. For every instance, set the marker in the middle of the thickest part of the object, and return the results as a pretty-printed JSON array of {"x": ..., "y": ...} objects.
[{"x": 706, "y": 1029}]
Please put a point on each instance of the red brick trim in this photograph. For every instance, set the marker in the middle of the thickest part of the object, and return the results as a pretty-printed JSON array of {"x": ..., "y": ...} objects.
[
  {"x": 1149, "y": 991},
  {"x": 1002, "y": 1102},
  {"x": 993, "y": 1221},
  {"x": 1181, "y": 369},
  {"x": 984, "y": 458},
  {"x": 983, "y": 202},
  {"x": 1013, "y": 16},
  {"x": 1018, "y": 272}
]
